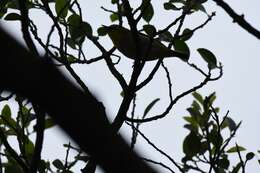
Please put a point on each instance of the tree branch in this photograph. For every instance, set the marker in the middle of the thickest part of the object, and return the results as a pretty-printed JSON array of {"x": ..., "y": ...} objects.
[{"x": 239, "y": 19}]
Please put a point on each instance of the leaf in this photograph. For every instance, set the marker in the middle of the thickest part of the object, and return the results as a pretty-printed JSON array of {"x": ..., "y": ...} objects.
[
  {"x": 147, "y": 10},
  {"x": 215, "y": 138},
  {"x": 195, "y": 105},
  {"x": 149, "y": 30},
  {"x": 79, "y": 29},
  {"x": 71, "y": 43},
  {"x": 181, "y": 46},
  {"x": 149, "y": 107},
  {"x": 114, "y": 17},
  {"x": 230, "y": 123},
  {"x": 209, "y": 57},
  {"x": 114, "y": 1},
  {"x": 250, "y": 156},
  {"x": 86, "y": 29},
  {"x": 193, "y": 124},
  {"x": 198, "y": 97},
  {"x": 49, "y": 123},
  {"x": 58, "y": 164},
  {"x": 169, "y": 6},
  {"x": 29, "y": 148},
  {"x": 237, "y": 168},
  {"x": 13, "y": 168},
  {"x": 61, "y": 8},
  {"x": 194, "y": 113},
  {"x": 224, "y": 163},
  {"x": 235, "y": 148},
  {"x": 186, "y": 34},
  {"x": 12, "y": 16},
  {"x": 189, "y": 119},
  {"x": 102, "y": 31},
  {"x": 199, "y": 7},
  {"x": 6, "y": 111},
  {"x": 42, "y": 166},
  {"x": 191, "y": 145}
]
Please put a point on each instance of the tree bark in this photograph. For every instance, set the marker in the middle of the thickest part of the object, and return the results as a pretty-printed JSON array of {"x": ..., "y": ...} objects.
[{"x": 79, "y": 114}]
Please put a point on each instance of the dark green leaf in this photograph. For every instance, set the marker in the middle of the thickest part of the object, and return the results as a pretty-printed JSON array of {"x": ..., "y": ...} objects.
[
  {"x": 186, "y": 34},
  {"x": 199, "y": 7},
  {"x": 58, "y": 164},
  {"x": 102, "y": 31},
  {"x": 250, "y": 155},
  {"x": 235, "y": 149},
  {"x": 215, "y": 138},
  {"x": 29, "y": 148},
  {"x": 149, "y": 107},
  {"x": 78, "y": 29},
  {"x": 181, "y": 46},
  {"x": 114, "y": 1},
  {"x": 237, "y": 168},
  {"x": 13, "y": 168},
  {"x": 224, "y": 163},
  {"x": 198, "y": 97},
  {"x": 194, "y": 113},
  {"x": 209, "y": 57},
  {"x": 13, "y": 5},
  {"x": 12, "y": 16},
  {"x": 10, "y": 132},
  {"x": 147, "y": 11},
  {"x": 86, "y": 29},
  {"x": 230, "y": 123},
  {"x": 74, "y": 23},
  {"x": 191, "y": 145},
  {"x": 193, "y": 124},
  {"x": 6, "y": 111},
  {"x": 114, "y": 17},
  {"x": 191, "y": 127},
  {"x": 149, "y": 30},
  {"x": 71, "y": 59},
  {"x": 61, "y": 8},
  {"x": 42, "y": 166},
  {"x": 49, "y": 123},
  {"x": 169, "y": 6},
  {"x": 204, "y": 147},
  {"x": 195, "y": 105},
  {"x": 71, "y": 43},
  {"x": 3, "y": 11},
  {"x": 189, "y": 119}
]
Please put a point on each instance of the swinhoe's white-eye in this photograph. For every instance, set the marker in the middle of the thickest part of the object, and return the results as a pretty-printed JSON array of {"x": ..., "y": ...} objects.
[{"x": 123, "y": 40}]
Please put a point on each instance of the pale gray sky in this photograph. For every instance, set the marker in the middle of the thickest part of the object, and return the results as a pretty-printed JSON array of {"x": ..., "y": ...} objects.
[{"x": 237, "y": 91}]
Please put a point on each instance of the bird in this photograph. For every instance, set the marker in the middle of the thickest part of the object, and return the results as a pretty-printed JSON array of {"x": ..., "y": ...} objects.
[{"x": 122, "y": 39}]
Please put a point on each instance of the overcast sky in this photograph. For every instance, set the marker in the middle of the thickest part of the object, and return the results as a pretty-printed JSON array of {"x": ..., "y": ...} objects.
[{"x": 237, "y": 91}]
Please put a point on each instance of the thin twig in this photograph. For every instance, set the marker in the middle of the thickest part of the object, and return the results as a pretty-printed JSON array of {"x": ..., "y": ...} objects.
[
  {"x": 12, "y": 152},
  {"x": 158, "y": 149},
  {"x": 177, "y": 98},
  {"x": 158, "y": 163}
]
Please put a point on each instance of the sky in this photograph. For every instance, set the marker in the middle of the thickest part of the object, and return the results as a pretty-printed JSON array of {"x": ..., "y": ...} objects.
[{"x": 237, "y": 90}]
